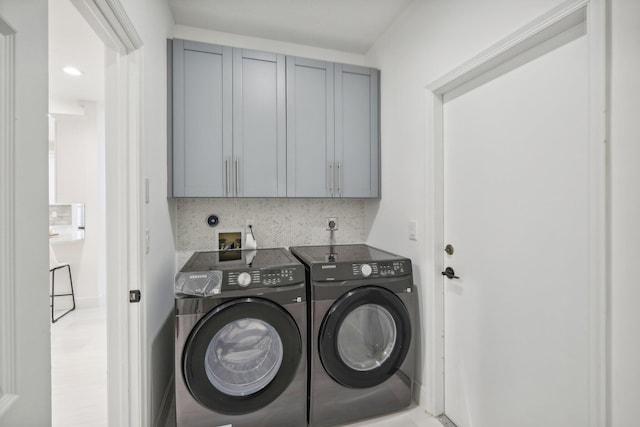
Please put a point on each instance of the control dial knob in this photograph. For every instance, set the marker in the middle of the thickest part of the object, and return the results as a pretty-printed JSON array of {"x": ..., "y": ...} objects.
[
  {"x": 244, "y": 279},
  {"x": 366, "y": 270}
]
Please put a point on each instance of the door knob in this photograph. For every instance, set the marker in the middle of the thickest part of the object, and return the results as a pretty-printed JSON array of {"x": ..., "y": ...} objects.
[{"x": 450, "y": 273}]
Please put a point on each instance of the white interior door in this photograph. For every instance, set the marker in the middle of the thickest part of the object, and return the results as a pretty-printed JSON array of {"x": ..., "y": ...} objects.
[
  {"x": 25, "y": 367},
  {"x": 516, "y": 199}
]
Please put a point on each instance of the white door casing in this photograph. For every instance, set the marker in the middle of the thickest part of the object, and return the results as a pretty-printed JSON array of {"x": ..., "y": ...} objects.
[
  {"x": 128, "y": 392},
  {"x": 8, "y": 368},
  {"x": 541, "y": 36}
]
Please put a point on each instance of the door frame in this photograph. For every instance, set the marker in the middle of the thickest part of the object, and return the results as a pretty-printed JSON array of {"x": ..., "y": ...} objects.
[
  {"x": 549, "y": 31},
  {"x": 127, "y": 354},
  {"x": 9, "y": 392}
]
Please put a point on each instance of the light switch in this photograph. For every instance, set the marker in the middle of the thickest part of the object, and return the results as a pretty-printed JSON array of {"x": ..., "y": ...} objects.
[{"x": 413, "y": 230}]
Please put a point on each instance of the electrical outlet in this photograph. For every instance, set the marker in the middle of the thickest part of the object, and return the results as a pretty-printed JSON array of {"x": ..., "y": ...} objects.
[
  {"x": 147, "y": 238},
  {"x": 332, "y": 223}
]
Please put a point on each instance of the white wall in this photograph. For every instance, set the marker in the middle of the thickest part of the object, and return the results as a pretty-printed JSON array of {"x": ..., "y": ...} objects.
[
  {"x": 78, "y": 180},
  {"x": 427, "y": 41},
  {"x": 625, "y": 211},
  {"x": 154, "y": 23},
  {"x": 234, "y": 40},
  {"x": 432, "y": 38}
]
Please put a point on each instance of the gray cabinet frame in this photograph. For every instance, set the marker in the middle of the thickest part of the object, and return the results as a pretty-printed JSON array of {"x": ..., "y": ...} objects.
[
  {"x": 201, "y": 118},
  {"x": 333, "y": 142},
  {"x": 259, "y": 124},
  {"x": 247, "y": 123},
  {"x": 357, "y": 138},
  {"x": 310, "y": 128}
]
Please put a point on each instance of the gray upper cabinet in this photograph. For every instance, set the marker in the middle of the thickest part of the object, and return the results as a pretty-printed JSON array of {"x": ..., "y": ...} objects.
[
  {"x": 229, "y": 122},
  {"x": 332, "y": 130},
  {"x": 310, "y": 130},
  {"x": 357, "y": 146},
  {"x": 202, "y": 126},
  {"x": 259, "y": 124}
]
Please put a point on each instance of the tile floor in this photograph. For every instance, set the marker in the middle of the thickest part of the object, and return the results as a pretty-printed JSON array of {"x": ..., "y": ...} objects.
[
  {"x": 79, "y": 369},
  {"x": 79, "y": 377},
  {"x": 413, "y": 417}
]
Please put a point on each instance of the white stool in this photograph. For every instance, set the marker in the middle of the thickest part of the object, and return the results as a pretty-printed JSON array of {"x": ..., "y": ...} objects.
[{"x": 54, "y": 265}]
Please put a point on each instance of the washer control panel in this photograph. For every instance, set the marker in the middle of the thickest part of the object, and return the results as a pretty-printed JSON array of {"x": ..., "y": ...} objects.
[
  {"x": 244, "y": 279},
  {"x": 366, "y": 270},
  {"x": 263, "y": 277}
]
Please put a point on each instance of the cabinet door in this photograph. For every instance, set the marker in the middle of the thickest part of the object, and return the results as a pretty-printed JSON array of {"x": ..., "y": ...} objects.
[
  {"x": 310, "y": 139},
  {"x": 357, "y": 138},
  {"x": 202, "y": 76},
  {"x": 259, "y": 124}
]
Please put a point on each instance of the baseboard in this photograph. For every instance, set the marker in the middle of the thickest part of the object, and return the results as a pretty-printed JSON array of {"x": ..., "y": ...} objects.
[
  {"x": 166, "y": 405},
  {"x": 420, "y": 398}
]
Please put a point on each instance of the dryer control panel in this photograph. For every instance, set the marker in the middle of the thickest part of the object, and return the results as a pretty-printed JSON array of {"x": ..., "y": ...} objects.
[
  {"x": 265, "y": 277},
  {"x": 380, "y": 269},
  {"x": 361, "y": 270}
]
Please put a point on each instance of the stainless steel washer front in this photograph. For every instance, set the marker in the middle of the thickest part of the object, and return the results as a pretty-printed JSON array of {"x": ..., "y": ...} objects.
[{"x": 240, "y": 355}]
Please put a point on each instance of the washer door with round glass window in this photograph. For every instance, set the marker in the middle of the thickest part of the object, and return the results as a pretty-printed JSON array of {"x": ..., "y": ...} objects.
[
  {"x": 365, "y": 337},
  {"x": 242, "y": 355}
]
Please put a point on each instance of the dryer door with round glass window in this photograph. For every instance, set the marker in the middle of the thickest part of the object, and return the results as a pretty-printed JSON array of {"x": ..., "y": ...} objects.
[
  {"x": 242, "y": 355},
  {"x": 365, "y": 336}
]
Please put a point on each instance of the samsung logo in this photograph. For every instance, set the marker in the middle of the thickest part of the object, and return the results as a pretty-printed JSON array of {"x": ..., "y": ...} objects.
[
  {"x": 198, "y": 276},
  {"x": 328, "y": 266}
]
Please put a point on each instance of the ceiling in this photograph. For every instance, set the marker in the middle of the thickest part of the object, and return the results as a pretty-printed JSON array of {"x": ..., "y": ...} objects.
[
  {"x": 346, "y": 25},
  {"x": 73, "y": 42}
]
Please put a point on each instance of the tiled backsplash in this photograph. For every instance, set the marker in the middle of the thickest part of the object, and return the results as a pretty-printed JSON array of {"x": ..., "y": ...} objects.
[
  {"x": 66, "y": 214},
  {"x": 59, "y": 215},
  {"x": 278, "y": 222}
]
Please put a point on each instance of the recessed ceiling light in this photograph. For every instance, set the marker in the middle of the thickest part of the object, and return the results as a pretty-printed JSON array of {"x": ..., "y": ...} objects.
[{"x": 72, "y": 71}]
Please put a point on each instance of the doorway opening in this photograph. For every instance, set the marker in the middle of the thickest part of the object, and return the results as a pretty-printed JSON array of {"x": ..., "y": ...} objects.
[
  {"x": 77, "y": 183},
  {"x": 118, "y": 168}
]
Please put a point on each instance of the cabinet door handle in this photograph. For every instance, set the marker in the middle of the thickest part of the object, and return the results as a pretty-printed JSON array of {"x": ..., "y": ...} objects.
[
  {"x": 331, "y": 178},
  {"x": 237, "y": 178},
  {"x": 226, "y": 175},
  {"x": 339, "y": 172}
]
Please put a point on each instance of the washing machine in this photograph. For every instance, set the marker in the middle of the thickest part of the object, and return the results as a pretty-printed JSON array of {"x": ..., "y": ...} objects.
[
  {"x": 362, "y": 309},
  {"x": 240, "y": 342}
]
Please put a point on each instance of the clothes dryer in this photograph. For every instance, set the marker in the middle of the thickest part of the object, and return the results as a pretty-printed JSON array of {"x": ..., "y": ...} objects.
[
  {"x": 240, "y": 344},
  {"x": 362, "y": 309}
]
